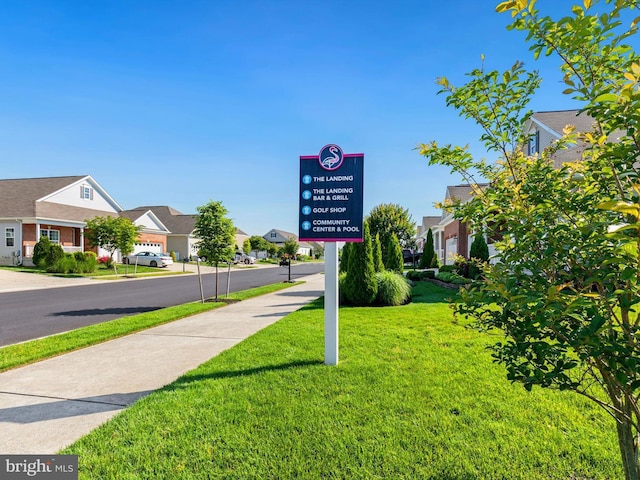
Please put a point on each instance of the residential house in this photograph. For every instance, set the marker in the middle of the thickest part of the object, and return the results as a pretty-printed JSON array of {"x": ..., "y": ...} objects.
[
  {"x": 429, "y": 222},
  {"x": 180, "y": 238},
  {"x": 240, "y": 238},
  {"x": 56, "y": 207},
  {"x": 545, "y": 128},
  {"x": 452, "y": 237},
  {"x": 280, "y": 236},
  {"x": 153, "y": 232}
]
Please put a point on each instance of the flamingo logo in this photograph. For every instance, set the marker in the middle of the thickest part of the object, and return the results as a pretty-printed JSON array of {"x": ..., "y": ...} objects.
[{"x": 331, "y": 157}]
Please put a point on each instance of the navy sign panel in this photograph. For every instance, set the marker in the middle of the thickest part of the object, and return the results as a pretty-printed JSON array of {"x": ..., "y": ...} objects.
[{"x": 331, "y": 196}]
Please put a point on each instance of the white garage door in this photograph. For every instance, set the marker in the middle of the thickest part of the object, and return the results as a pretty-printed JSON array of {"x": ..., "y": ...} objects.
[{"x": 148, "y": 247}]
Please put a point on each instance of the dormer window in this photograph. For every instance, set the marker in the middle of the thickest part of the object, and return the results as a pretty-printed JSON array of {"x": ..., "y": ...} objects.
[
  {"x": 86, "y": 192},
  {"x": 534, "y": 143}
]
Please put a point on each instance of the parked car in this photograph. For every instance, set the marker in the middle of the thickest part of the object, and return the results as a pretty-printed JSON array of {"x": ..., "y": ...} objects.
[
  {"x": 149, "y": 259},
  {"x": 409, "y": 256},
  {"x": 244, "y": 258}
]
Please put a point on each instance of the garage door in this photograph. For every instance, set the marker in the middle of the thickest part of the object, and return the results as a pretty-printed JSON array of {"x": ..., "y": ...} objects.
[{"x": 148, "y": 247}]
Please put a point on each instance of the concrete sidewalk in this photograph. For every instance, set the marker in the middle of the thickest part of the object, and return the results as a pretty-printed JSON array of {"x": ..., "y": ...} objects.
[{"x": 48, "y": 405}]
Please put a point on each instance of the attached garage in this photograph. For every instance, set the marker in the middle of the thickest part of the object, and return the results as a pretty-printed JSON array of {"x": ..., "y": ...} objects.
[{"x": 148, "y": 247}]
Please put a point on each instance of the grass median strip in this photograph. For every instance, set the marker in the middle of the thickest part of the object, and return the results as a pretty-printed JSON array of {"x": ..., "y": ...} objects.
[
  {"x": 13, "y": 356},
  {"x": 415, "y": 395}
]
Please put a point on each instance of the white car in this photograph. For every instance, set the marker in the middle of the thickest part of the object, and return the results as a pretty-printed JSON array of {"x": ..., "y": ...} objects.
[
  {"x": 149, "y": 259},
  {"x": 243, "y": 258}
]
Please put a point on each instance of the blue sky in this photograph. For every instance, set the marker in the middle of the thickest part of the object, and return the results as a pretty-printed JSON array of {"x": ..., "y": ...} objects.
[{"x": 181, "y": 102}]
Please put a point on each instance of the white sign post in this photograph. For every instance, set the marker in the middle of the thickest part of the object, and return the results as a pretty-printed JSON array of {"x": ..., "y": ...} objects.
[
  {"x": 331, "y": 303},
  {"x": 331, "y": 190}
]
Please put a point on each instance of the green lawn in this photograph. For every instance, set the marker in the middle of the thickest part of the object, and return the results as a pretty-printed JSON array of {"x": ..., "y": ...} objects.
[{"x": 415, "y": 396}]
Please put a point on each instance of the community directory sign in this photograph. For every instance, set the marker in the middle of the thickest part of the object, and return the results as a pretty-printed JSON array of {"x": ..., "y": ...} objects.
[{"x": 331, "y": 194}]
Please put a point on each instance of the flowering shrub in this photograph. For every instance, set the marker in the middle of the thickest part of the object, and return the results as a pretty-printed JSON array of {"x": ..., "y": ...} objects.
[{"x": 106, "y": 261}]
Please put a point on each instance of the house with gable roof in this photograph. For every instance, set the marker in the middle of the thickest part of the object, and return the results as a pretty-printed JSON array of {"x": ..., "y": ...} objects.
[
  {"x": 545, "y": 128},
  {"x": 429, "y": 222},
  {"x": 153, "y": 233},
  {"x": 452, "y": 237},
  {"x": 280, "y": 236},
  {"x": 180, "y": 238},
  {"x": 56, "y": 207}
]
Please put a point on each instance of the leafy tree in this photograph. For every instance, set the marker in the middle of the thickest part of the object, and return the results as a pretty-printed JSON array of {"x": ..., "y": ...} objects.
[
  {"x": 378, "y": 264},
  {"x": 111, "y": 234},
  {"x": 344, "y": 257},
  {"x": 40, "y": 251},
  {"x": 565, "y": 292},
  {"x": 272, "y": 249},
  {"x": 318, "y": 252},
  {"x": 427, "y": 252},
  {"x": 394, "y": 260},
  {"x": 389, "y": 218},
  {"x": 216, "y": 234},
  {"x": 259, "y": 244},
  {"x": 361, "y": 286},
  {"x": 290, "y": 247},
  {"x": 246, "y": 247}
]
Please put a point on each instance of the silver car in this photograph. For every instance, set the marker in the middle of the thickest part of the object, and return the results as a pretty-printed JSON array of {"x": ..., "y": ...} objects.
[{"x": 149, "y": 259}]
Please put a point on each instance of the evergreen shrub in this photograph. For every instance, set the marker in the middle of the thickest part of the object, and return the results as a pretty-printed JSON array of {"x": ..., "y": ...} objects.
[{"x": 40, "y": 251}]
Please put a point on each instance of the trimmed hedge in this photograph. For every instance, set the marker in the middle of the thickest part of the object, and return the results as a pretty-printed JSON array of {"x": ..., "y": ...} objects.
[
  {"x": 451, "y": 277},
  {"x": 417, "y": 275}
]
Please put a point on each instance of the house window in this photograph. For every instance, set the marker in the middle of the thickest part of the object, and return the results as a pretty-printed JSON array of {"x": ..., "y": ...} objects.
[
  {"x": 9, "y": 237},
  {"x": 86, "y": 192},
  {"x": 54, "y": 235},
  {"x": 273, "y": 234},
  {"x": 534, "y": 143}
]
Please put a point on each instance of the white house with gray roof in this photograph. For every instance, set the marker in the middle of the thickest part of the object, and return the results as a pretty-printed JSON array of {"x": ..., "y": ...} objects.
[
  {"x": 452, "y": 237},
  {"x": 56, "y": 207}
]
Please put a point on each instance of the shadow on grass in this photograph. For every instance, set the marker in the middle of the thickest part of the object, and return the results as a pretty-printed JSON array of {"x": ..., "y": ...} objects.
[{"x": 188, "y": 379}]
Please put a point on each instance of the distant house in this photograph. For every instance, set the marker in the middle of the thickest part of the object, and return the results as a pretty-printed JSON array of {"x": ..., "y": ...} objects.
[
  {"x": 451, "y": 236},
  {"x": 56, "y": 207},
  {"x": 180, "y": 238},
  {"x": 429, "y": 222},
  {"x": 280, "y": 236},
  {"x": 153, "y": 232},
  {"x": 240, "y": 238}
]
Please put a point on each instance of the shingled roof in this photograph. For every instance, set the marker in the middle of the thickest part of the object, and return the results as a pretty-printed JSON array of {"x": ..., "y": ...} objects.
[
  {"x": 557, "y": 120},
  {"x": 23, "y": 197},
  {"x": 177, "y": 222}
]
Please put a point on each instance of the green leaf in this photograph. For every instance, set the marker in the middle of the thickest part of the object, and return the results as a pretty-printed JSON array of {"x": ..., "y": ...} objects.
[{"x": 606, "y": 98}]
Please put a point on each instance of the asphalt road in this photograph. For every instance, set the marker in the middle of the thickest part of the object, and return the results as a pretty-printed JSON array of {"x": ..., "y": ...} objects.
[{"x": 37, "y": 313}]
